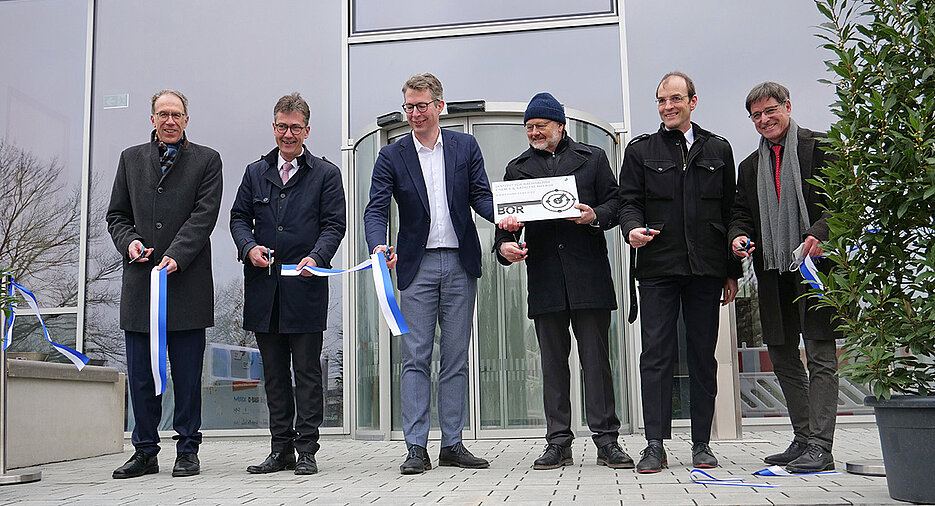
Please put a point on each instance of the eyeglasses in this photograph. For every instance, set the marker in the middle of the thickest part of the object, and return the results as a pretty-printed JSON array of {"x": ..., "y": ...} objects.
[
  {"x": 674, "y": 100},
  {"x": 769, "y": 111},
  {"x": 282, "y": 127},
  {"x": 532, "y": 127},
  {"x": 163, "y": 115},
  {"x": 421, "y": 106}
]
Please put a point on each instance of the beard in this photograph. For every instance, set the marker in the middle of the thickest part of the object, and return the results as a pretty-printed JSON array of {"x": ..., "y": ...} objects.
[{"x": 549, "y": 143}]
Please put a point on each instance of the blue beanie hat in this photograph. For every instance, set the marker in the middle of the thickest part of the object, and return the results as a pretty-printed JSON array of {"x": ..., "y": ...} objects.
[{"x": 544, "y": 105}]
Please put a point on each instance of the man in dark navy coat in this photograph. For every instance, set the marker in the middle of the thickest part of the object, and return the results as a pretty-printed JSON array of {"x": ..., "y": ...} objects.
[
  {"x": 164, "y": 205},
  {"x": 289, "y": 209},
  {"x": 437, "y": 177}
]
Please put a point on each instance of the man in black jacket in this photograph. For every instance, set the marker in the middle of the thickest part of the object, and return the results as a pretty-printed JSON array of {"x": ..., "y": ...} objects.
[
  {"x": 777, "y": 209},
  {"x": 569, "y": 280},
  {"x": 163, "y": 207},
  {"x": 677, "y": 187},
  {"x": 289, "y": 209}
]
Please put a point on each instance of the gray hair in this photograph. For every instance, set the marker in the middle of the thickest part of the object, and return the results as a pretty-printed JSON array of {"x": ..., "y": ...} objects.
[
  {"x": 292, "y": 102},
  {"x": 168, "y": 91},
  {"x": 689, "y": 84},
  {"x": 425, "y": 81},
  {"x": 767, "y": 89}
]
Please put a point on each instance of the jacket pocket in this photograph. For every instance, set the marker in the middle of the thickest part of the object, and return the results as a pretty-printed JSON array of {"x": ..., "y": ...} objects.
[
  {"x": 711, "y": 178},
  {"x": 660, "y": 179}
]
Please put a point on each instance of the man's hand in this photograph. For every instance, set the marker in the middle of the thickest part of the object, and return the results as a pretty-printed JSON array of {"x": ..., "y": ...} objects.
[
  {"x": 514, "y": 252},
  {"x": 390, "y": 256},
  {"x": 510, "y": 224},
  {"x": 639, "y": 236},
  {"x": 257, "y": 256},
  {"x": 742, "y": 246},
  {"x": 730, "y": 291},
  {"x": 812, "y": 247},
  {"x": 137, "y": 252},
  {"x": 587, "y": 215},
  {"x": 306, "y": 261},
  {"x": 169, "y": 264}
]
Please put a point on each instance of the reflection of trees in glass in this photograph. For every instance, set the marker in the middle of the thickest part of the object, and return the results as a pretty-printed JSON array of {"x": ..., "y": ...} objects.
[
  {"x": 749, "y": 331},
  {"x": 39, "y": 227}
]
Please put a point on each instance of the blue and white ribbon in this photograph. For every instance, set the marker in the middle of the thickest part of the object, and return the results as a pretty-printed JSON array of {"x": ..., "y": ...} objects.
[
  {"x": 381, "y": 282},
  {"x": 157, "y": 327},
  {"x": 293, "y": 269},
  {"x": 703, "y": 478},
  {"x": 780, "y": 471},
  {"x": 76, "y": 357},
  {"x": 806, "y": 266}
]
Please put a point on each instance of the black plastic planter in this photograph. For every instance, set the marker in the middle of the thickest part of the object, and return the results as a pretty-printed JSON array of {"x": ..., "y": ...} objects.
[{"x": 907, "y": 435}]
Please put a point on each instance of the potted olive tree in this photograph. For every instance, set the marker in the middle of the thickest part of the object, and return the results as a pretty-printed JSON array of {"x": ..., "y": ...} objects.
[{"x": 881, "y": 198}]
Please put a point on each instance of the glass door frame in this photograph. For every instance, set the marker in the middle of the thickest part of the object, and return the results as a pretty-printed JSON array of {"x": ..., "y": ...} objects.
[{"x": 495, "y": 113}]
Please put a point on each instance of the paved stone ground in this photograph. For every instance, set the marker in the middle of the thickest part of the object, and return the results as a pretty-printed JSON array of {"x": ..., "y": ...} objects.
[{"x": 366, "y": 472}]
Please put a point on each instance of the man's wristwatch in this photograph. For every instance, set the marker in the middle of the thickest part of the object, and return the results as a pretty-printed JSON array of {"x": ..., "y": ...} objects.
[{"x": 594, "y": 223}]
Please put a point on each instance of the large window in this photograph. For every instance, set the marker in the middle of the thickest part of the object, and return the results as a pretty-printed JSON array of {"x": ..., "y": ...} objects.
[{"x": 42, "y": 125}]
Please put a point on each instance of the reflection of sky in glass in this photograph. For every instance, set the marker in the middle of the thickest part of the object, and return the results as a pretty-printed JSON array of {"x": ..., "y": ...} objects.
[{"x": 42, "y": 88}]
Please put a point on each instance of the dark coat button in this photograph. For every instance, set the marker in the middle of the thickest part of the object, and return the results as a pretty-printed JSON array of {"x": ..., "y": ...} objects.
[
  {"x": 158, "y": 225},
  {"x": 282, "y": 195},
  {"x": 265, "y": 199},
  {"x": 561, "y": 246},
  {"x": 159, "y": 190},
  {"x": 279, "y": 228}
]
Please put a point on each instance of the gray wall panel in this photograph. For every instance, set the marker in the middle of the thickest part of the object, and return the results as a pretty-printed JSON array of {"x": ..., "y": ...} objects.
[
  {"x": 381, "y": 15},
  {"x": 727, "y": 47},
  {"x": 580, "y": 66}
]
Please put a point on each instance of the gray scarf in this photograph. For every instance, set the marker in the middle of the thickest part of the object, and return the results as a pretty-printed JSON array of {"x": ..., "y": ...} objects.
[{"x": 783, "y": 220}]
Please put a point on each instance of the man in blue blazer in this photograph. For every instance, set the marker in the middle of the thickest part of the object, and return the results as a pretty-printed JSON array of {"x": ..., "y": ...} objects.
[
  {"x": 289, "y": 209},
  {"x": 436, "y": 177}
]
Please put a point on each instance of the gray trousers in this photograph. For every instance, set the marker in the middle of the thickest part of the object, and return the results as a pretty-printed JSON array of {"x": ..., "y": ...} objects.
[
  {"x": 443, "y": 293},
  {"x": 812, "y": 399}
]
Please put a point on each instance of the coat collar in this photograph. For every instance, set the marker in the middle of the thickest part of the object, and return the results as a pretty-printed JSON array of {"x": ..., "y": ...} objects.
[{"x": 272, "y": 170}]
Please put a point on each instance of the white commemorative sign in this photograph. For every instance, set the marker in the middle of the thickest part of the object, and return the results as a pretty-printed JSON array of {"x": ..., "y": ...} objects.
[{"x": 545, "y": 198}]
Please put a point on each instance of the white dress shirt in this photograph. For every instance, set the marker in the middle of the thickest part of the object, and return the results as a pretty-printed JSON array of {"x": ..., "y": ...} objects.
[{"x": 441, "y": 230}]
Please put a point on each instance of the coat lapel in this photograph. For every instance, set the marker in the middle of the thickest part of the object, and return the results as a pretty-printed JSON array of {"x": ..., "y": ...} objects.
[
  {"x": 571, "y": 161},
  {"x": 450, "y": 148},
  {"x": 407, "y": 150},
  {"x": 272, "y": 171}
]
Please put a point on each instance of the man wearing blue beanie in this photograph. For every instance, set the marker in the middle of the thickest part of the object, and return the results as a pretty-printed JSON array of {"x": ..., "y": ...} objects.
[{"x": 568, "y": 281}]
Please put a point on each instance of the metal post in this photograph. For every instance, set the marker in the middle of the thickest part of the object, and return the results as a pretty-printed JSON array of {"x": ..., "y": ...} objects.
[{"x": 7, "y": 478}]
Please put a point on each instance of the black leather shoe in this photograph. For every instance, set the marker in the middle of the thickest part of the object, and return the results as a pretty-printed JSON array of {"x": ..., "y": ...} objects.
[
  {"x": 702, "y": 456},
  {"x": 554, "y": 457},
  {"x": 138, "y": 465},
  {"x": 306, "y": 463},
  {"x": 795, "y": 450},
  {"x": 654, "y": 460},
  {"x": 186, "y": 464},
  {"x": 815, "y": 460},
  {"x": 417, "y": 461},
  {"x": 458, "y": 456},
  {"x": 612, "y": 456},
  {"x": 276, "y": 461}
]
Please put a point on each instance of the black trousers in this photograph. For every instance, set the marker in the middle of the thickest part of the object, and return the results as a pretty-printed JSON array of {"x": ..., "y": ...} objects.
[
  {"x": 186, "y": 352},
  {"x": 590, "y": 327},
  {"x": 282, "y": 354},
  {"x": 812, "y": 399},
  {"x": 660, "y": 301}
]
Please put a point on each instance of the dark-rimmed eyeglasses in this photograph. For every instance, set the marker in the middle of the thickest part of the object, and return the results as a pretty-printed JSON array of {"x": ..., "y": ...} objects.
[
  {"x": 282, "y": 127},
  {"x": 421, "y": 106}
]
